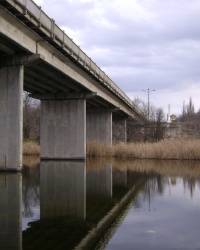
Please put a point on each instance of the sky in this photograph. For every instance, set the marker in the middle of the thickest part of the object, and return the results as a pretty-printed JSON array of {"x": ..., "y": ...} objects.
[{"x": 140, "y": 44}]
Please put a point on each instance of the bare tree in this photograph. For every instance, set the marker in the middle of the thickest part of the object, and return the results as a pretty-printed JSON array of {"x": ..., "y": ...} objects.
[
  {"x": 153, "y": 128},
  {"x": 188, "y": 112},
  {"x": 31, "y": 116},
  {"x": 160, "y": 127},
  {"x": 190, "y": 107}
]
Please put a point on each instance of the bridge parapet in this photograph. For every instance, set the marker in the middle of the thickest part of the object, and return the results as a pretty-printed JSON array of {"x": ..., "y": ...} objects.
[
  {"x": 34, "y": 17},
  {"x": 78, "y": 100}
]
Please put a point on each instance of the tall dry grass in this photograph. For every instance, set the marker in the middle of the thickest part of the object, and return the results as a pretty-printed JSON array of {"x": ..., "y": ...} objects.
[
  {"x": 31, "y": 148},
  {"x": 31, "y": 160},
  {"x": 96, "y": 148},
  {"x": 168, "y": 149}
]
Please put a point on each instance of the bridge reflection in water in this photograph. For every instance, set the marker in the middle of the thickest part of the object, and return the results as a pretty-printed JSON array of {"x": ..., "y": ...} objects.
[
  {"x": 73, "y": 205},
  {"x": 10, "y": 211},
  {"x": 77, "y": 204}
]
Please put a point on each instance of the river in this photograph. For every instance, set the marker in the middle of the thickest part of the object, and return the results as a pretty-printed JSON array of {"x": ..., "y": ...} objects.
[{"x": 101, "y": 204}]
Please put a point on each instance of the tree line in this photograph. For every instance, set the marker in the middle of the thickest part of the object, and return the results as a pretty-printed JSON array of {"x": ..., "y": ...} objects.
[
  {"x": 153, "y": 128},
  {"x": 188, "y": 113}
]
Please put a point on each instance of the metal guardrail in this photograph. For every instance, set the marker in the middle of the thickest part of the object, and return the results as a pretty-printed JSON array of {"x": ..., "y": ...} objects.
[{"x": 48, "y": 26}]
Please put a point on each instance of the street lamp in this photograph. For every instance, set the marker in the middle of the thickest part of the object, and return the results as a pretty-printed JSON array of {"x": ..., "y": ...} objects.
[{"x": 148, "y": 91}]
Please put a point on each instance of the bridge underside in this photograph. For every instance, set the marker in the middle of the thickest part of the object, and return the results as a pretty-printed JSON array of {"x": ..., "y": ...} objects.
[
  {"x": 70, "y": 115},
  {"x": 76, "y": 105}
]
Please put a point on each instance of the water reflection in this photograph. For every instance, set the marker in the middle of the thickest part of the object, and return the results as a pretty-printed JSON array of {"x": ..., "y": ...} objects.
[
  {"x": 165, "y": 214},
  {"x": 99, "y": 179},
  {"x": 30, "y": 191},
  {"x": 10, "y": 211},
  {"x": 93, "y": 204},
  {"x": 62, "y": 187}
]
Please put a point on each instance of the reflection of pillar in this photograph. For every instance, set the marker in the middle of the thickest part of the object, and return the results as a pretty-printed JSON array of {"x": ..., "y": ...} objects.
[
  {"x": 11, "y": 112},
  {"x": 99, "y": 125},
  {"x": 119, "y": 177},
  {"x": 99, "y": 181},
  {"x": 62, "y": 189},
  {"x": 10, "y": 211}
]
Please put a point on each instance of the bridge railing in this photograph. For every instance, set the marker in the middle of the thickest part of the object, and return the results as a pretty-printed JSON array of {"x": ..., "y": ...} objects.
[{"x": 47, "y": 25}]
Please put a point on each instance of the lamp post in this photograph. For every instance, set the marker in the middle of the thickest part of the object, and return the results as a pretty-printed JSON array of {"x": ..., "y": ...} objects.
[{"x": 148, "y": 91}]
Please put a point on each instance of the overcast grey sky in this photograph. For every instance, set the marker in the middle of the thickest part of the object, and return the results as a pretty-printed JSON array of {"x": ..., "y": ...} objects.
[{"x": 140, "y": 44}]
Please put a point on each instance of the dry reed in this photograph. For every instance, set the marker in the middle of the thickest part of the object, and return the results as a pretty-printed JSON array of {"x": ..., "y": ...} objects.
[
  {"x": 96, "y": 148},
  {"x": 167, "y": 149},
  {"x": 31, "y": 148},
  {"x": 31, "y": 160}
]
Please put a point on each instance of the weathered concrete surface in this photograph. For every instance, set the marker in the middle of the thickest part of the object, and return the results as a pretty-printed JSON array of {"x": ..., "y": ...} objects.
[
  {"x": 63, "y": 129},
  {"x": 62, "y": 189},
  {"x": 10, "y": 211},
  {"x": 184, "y": 130},
  {"x": 119, "y": 129},
  {"x": 11, "y": 113},
  {"x": 99, "y": 125}
]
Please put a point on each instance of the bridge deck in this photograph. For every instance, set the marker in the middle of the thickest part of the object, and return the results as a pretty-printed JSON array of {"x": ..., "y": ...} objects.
[{"x": 33, "y": 17}]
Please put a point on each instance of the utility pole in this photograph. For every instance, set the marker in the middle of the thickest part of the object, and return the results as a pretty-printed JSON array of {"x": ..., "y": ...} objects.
[{"x": 148, "y": 91}]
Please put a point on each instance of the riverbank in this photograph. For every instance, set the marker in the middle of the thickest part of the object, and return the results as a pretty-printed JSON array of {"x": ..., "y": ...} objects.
[
  {"x": 166, "y": 149},
  {"x": 169, "y": 149}
]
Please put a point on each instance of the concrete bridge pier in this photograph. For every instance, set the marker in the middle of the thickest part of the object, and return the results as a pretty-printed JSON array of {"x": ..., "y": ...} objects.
[
  {"x": 99, "y": 125},
  {"x": 63, "y": 129},
  {"x": 119, "y": 129},
  {"x": 11, "y": 113},
  {"x": 11, "y": 109}
]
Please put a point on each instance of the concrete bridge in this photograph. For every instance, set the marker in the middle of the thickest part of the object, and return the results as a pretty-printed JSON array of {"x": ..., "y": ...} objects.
[{"x": 78, "y": 100}]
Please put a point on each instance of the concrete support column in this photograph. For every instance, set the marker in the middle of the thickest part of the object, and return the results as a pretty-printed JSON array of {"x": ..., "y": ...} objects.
[
  {"x": 119, "y": 129},
  {"x": 11, "y": 117},
  {"x": 63, "y": 129},
  {"x": 99, "y": 125}
]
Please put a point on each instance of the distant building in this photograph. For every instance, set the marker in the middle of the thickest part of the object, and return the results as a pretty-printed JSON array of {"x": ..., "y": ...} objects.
[{"x": 172, "y": 118}]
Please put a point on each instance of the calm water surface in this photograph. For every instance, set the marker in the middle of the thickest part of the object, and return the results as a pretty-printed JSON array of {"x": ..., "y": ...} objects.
[{"x": 101, "y": 204}]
